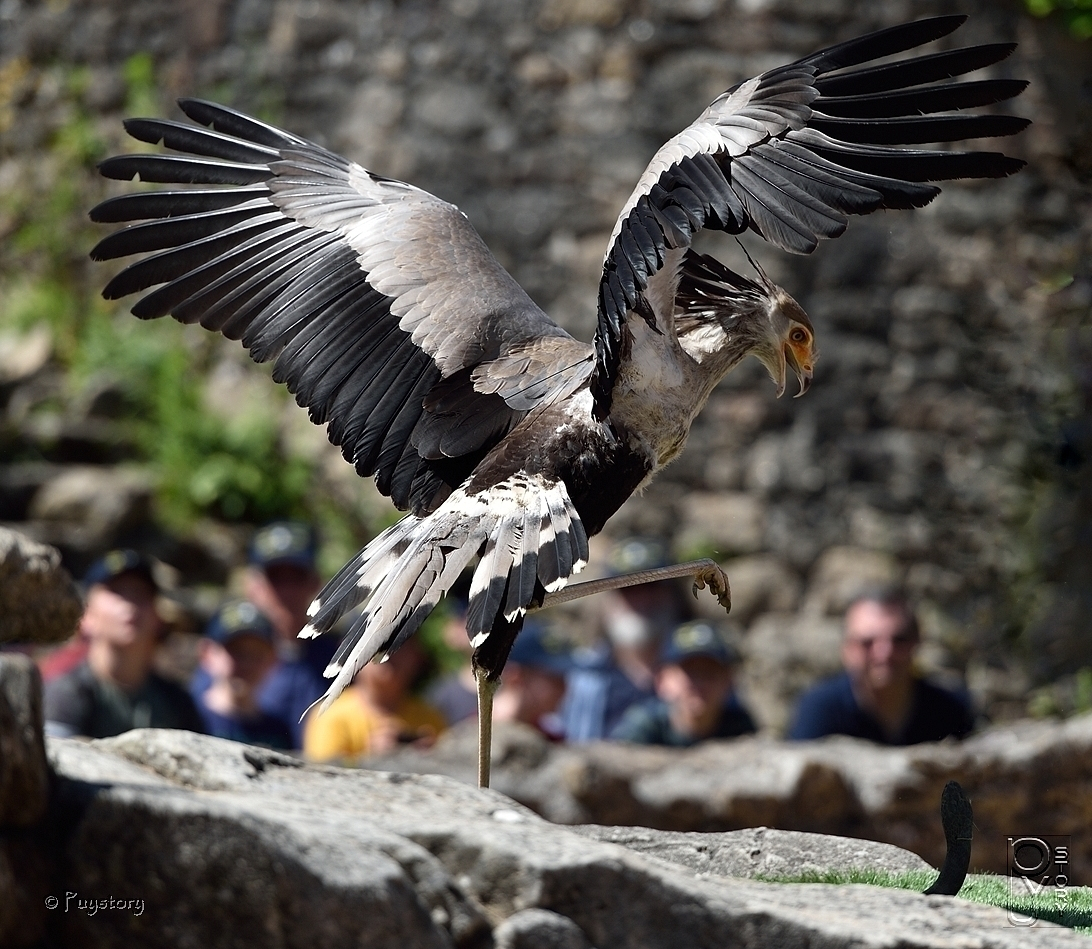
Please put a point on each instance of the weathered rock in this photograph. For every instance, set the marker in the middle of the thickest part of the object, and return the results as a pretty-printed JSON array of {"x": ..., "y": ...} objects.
[
  {"x": 758, "y": 851},
  {"x": 24, "y": 778},
  {"x": 26, "y": 873},
  {"x": 99, "y": 501},
  {"x": 1026, "y": 778},
  {"x": 842, "y": 573},
  {"x": 783, "y": 654},
  {"x": 39, "y": 603},
  {"x": 24, "y": 790},
  {"x": 223, "y": 845},
  {"x": 733, "y": 522},
  {"x": 539, "y": 929},
  {"x": 19, "y": 482},
  {"x": 23, "y": 354}
]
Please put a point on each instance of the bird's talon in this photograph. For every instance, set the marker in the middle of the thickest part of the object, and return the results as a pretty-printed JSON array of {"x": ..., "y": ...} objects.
[{"x": 717, "y": 581}]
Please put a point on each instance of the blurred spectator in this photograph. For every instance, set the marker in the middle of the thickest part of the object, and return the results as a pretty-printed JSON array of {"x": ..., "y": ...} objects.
[
  {"x": 376, "y": 713},
  {"x": 694, "y": 695},
  {"x": 281, "y": 581},
  {"x": 64, "y": 658},
  {"x": 533, "y": 682},
  {"x": 455, "y": 695},
  {"x": 878, "y": 696},
  {"x": 238, "y": 655},
  {"x": 114, "y": 689},
  {"x": 619, "y": 671}
]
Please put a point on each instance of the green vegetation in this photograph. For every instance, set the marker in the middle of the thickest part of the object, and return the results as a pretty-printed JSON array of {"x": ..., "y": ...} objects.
[
  {"x": 1076, "y": 14},
  {"x": 1069, "y": 695},
  {"x": 1070, "y": 907},
  {"x": 228, "y": 462}
]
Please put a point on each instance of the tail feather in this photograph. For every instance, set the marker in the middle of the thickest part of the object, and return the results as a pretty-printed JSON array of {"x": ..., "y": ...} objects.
[
  {"x": 525, "y": 532},
  {"x": 354, "y": 582},
  {"x": 487, "y": 589},
  {"x": 524, "y": 573},
  {"x": 549, "y": 569},
  {"x": 562, "y": 540}
]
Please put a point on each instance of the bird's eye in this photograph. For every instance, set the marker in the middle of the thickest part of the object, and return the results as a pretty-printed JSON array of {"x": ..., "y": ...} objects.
[{"x": 799, "y": 336}]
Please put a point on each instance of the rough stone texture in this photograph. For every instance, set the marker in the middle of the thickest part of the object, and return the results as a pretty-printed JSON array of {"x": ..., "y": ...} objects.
[
  {"x": 539, "y": 929},
  {"x": 1028, "y": 778},
  {"x": 758, "y": 851},
  {"x": 39, "y": 603},
  {"x": 23, "y": 354},
  {"x": 228, "y": 845},
  {"x": 24, "y": 778},
  {"x": 24, "y": 791},
  {"x": 26, "y": 875},
  {"x": 98, "y": 502},
  {"x": 947, "y": 434}
]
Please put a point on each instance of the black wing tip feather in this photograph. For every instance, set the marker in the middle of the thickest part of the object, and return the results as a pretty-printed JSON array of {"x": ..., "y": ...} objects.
[
  {"x": 885, "y": 42},
  {"x": 222, "y": 118}
]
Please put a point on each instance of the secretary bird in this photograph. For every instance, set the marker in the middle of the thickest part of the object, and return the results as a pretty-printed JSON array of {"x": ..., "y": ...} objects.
[{"x": 507, "y": 440}]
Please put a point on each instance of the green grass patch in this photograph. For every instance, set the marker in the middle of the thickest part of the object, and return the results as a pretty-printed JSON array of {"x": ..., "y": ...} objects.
[{"x": 1070, "y": 907}]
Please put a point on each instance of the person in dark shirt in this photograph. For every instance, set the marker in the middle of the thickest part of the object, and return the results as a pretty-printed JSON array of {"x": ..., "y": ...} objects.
[
  {"x": 695, "y": 699},
  {"x": 878, "y": 697},
  {"x": 114, "y": 689},
  {"x": 238, "y": 656}
]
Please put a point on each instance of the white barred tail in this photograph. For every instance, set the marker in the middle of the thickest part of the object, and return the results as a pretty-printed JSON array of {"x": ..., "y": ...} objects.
[{"x": 526, "y": 532}]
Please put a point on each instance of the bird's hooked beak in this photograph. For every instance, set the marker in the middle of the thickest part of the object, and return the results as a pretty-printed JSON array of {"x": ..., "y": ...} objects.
[
  {"x": 790, "y": 343},
  {"x": 797, "y": 355},
  {"x": 796, "y": 347}
]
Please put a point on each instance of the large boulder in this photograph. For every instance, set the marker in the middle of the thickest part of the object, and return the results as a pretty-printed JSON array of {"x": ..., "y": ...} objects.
[
  {"x": 1030, "y": 777},
  {"x": 39, "y": 602},
  {"x": 24, "y": 789},
  {"x": 94, "y": 504},
  {"x": 24, "y": 778},
  {"x": 176, "y": 839}
]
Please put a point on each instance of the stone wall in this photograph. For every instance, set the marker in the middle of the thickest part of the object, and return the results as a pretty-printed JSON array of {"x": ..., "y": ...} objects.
[{"x": 945, "y": 439}]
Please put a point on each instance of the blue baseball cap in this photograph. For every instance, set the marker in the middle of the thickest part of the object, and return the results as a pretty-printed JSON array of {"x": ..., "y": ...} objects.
[
  {"x": 698, "y": 638},
  {"x": 537, "y": 648},
  {"x": 237, "y": 618},
  {"x": 115, "y": 563},
  {"x": 290, "y": 542}
]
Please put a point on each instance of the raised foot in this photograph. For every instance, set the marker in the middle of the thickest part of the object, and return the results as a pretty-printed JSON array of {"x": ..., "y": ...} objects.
[{"x": 711, "y": 575}]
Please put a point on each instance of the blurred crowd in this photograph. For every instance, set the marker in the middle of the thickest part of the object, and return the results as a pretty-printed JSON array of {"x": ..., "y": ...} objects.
[{"x": 650, "y": 673}]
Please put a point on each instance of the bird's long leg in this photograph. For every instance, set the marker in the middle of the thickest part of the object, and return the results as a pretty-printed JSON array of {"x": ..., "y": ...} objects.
[
  {"x": 705, "y": 573},
  {"x": 486, "y": 688}
]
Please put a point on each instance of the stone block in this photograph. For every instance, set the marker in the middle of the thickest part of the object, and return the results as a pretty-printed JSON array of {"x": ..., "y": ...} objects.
[
  {"x": 39, "y": 603},
  {"x": 24, "y": 778}
]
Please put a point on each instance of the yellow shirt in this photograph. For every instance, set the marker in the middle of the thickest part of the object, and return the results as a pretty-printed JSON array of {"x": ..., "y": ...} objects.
[{"x": 347, "y": 728}]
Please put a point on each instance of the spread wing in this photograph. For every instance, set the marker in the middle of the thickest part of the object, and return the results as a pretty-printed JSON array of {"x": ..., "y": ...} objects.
[
  {"x": 383, "y": 310},
  {"x": 791, "y": 153}
]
